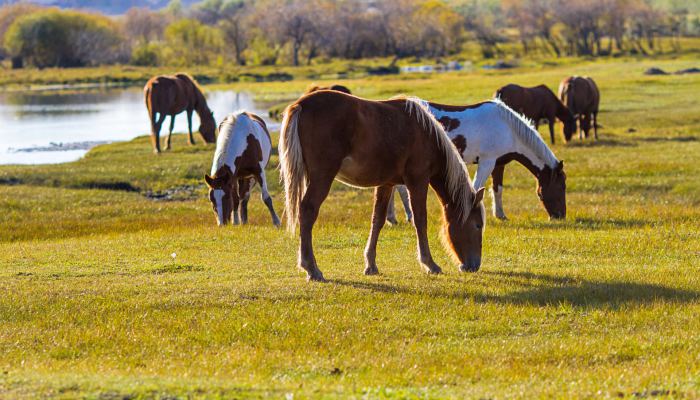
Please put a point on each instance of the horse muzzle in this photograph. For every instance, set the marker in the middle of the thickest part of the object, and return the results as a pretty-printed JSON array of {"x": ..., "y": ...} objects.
[{"x": 472, "y": 265}]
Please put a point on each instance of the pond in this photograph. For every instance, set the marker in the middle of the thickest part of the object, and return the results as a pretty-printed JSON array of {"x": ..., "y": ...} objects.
[{"x": 53, "y": 126}]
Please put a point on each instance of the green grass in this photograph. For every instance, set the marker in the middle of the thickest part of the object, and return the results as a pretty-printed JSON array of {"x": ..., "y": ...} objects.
[{"x": 602, "y": 305}]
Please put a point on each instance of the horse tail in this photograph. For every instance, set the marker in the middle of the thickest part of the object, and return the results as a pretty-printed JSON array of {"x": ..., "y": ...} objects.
[
  {"x": 293, "y": 170},
  {"x": 456, "y": 176},
  {"x": 147, "y": 94}
]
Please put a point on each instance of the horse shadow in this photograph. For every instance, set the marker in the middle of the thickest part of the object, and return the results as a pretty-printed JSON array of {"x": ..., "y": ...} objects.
[{"x": 536, "y": 289}]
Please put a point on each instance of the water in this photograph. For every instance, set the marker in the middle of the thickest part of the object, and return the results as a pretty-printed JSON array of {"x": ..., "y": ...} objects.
[{"x": 41, "y": 127}]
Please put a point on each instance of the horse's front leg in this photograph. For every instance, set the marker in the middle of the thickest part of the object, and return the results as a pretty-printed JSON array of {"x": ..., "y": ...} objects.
[
  {"x": 419, "y": 195},
  {"x": 170, "y": 132},
  {"x": 595, "y": 125},
  {"x": 482, "y": 173},
  {"x": 382, "y": 196},
  {"x": 244, "y": 188},
  {"x": 315, "y": 194},
  {"x": 551, "y": 129},
  {"x": 497, "y": 192},
  {"x": 189, "y": 126}
]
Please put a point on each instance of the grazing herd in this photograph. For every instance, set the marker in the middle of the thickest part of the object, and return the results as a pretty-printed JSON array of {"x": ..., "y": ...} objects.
[{"x": 404, "y": 142}]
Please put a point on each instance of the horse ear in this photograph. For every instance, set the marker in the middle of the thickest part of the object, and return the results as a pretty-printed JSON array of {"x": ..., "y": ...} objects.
[
  {"x": 209, "y": 180},
  {"x": 560, "y": 166},
  {"x": 478, "y": 197}
]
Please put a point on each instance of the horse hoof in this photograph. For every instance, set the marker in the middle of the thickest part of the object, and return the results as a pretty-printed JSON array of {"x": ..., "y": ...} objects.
[
  {"x": 465, "y": 268},
  {"x": 434, "y": 270},
  {"x": 372, "y": 270},
  {"x": 315, "y": 276},
  {"x": 392, "y": 221}
]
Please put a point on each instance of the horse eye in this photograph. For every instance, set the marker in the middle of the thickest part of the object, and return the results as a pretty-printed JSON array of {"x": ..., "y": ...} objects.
[{"x": 479, "y": 226}]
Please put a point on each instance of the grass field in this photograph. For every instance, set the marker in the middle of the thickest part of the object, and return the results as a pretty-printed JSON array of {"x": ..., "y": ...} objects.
[{"x": 603, "y": 305}]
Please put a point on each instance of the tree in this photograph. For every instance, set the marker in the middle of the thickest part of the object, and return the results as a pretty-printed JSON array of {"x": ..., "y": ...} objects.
[{"x": 191, "y": 42}]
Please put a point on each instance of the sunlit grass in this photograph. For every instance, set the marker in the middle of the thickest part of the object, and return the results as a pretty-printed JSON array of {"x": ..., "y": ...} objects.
[{"x": 604, "y": 304}]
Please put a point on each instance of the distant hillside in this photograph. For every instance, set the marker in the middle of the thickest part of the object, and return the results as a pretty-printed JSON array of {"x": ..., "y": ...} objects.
[{"x": 111, "y": 7}]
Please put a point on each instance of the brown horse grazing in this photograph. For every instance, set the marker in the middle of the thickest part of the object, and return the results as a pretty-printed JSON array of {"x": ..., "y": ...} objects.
[
  {"x": 537, "y": 103},
  {"x": 171, "y": 95},
  {"x": 330, "y": 135},
  {"x": 337, "y": 88},
  {"x": 582, "y": 97}
]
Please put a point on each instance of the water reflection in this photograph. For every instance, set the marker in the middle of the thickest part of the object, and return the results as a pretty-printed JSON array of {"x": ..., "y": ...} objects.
[{"x": 38, "y": 119}]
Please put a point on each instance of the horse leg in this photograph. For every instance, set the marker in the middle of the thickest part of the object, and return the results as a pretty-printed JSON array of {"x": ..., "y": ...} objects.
[
  {"x": 170, "y": 133},
  {"x": 419, "y": 196},
  {"x": 551, "y": 129},
  {"x": 316, "y": 193},
  {"x": 236, "y": 202},
  {"x": 497, "y": 192},
  {"x": 382, "y": 196},
  {"x": 390, "y": 210},
  {"x": 595, "y": 124},
  {"x": 266, "y": 198},
  {"x": 482, "y": 173},
  {"x": 189, "y": 126},
  {"x": 403, "y": 193},
  {"x": 155, "y": 132},
  {"x": 244, "y": 188},
  {"x": 580, "y": 127}
]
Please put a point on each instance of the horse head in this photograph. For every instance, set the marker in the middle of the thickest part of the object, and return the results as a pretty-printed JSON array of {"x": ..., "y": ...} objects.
[
  {"x": 221, "y": 192},
  {"x": 551, "y": 189},
  {"x": 207, "y": 127},
  {"x": 464, "y": 235},
  {"x": 569, "y": 126}
]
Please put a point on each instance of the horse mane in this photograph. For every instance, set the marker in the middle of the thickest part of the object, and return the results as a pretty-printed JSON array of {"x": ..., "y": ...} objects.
[
  {"x": 456, "y": 176},
  {"x": 223, "y": 141},
  {"x": 199, "y": 92},
  {"x": 526, "y": 133}
]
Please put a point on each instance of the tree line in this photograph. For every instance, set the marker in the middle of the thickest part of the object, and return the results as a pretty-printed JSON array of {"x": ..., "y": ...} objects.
[{"x": 296, "y": 32}]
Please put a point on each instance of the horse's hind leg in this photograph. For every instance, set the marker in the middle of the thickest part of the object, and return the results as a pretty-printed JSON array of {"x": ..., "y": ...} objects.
[
  {"x": 155, "y": 132},
  {"x": 403, "y": 194},
  {"x": 419, "y": 195},
  {"x": 391, "y": 210},
  {"x": 267, "y": 199},
  {"x": 316, "y": 193},
  {"x": 382, "y": 196},
  {"x": 170, "y": 132},
  {"x": 497, "y": 192}
]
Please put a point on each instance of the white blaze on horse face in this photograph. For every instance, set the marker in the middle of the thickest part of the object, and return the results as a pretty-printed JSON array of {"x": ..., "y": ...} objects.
[{"x": 218, "y": 198}]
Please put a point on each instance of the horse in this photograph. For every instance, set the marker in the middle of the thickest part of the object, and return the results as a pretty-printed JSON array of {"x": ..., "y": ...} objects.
[
  {"x": 336, "y": 87},
  {"x": 242, "y": 153},
  {"x": 492, "y": 135},
  {"x": 582, "y": 97},
  {"x": 537, "y": 103},
  {"x": 329, "y": 135},
  {"x": 171, "y": 95}
]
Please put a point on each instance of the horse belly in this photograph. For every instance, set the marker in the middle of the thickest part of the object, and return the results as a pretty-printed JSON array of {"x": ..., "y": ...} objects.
[{"x": 357, "y": 174}]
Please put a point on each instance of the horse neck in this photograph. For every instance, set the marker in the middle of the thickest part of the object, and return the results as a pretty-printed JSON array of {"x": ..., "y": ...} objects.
[
  {"x": 563, "y": 113},
  {"x": 200, "y": 104},
  {"x": 451, "y": 208}
]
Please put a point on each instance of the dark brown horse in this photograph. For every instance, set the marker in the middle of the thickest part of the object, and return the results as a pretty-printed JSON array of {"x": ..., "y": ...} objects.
[
  {"x": 582, "y": 96},
  {"x": 171, "y": 95},
  {"x": 537, "y": 103},
  {"x": 329, "y": 135},
  {"x": 337, "y": 88}
]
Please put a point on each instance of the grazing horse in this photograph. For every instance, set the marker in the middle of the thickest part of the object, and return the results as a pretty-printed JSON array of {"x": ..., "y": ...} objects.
[
  {"x": 329, "y": 135},
  {"x": 242, "y": 152},
  {"x": 582, "y": 97},
  {"x": 171, "y": 95},
  {"x": 537, "y": 103},
  {"x": 337, "y": 88},
  {"x": 492, "y": 135}
]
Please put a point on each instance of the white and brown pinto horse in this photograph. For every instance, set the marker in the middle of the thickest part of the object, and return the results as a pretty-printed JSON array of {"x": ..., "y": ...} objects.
[
  {"x": 242, "y": 152},
  {"x": 329, "y": 135},
  {"x": 492, "y": 135}
]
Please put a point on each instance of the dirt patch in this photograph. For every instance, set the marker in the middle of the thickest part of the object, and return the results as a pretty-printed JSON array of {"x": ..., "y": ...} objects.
[{"x": 177, "y": 193}]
